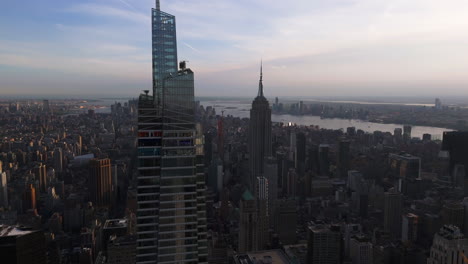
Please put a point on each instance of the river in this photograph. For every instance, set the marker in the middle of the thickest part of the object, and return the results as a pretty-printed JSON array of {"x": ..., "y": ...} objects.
[{"x": 242, "y": 109}]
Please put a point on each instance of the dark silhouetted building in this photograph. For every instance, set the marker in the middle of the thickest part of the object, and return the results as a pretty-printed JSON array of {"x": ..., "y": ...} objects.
[
  {"x": 393, "y": 211},
  {"x": 100, "y": 182},
  {"x": 29, "y": 198},
  {"x": 456, "y": 143},
  {"x": 171, "y": 215},
  {"x": 22, "y": 246},
  {"x": 260, "y": 134},
  {"x": 324, "y": 244},
  {"x": 248, "y": 240}
]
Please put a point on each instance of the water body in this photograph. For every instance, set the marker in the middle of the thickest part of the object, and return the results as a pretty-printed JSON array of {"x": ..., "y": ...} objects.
[{"x": 242, "y": 109}]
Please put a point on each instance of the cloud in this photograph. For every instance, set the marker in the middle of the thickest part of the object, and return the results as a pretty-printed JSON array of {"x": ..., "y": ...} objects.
[{"x": 110, "y": 11}]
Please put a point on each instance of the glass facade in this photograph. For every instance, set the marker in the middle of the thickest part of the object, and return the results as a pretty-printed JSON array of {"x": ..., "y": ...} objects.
[
  {"x": 171, "y": 216},
  {"x": 164, "y": 48}
]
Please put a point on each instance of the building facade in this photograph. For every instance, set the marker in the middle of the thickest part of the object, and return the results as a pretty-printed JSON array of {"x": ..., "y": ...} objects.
[
  {"x": 100, "y": 182},
  {"x": 260, "y": 134},
  {"x": 171, "y": 214}
]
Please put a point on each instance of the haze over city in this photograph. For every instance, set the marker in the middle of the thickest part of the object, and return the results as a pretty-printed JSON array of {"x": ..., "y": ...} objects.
[{"x": 309, "y": 48}]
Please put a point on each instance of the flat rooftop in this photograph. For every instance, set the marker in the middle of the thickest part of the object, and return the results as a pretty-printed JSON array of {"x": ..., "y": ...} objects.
[
  {"x": 115, "y": 223},
  {"x": 262, "y": 257},
  {"x": 10, "y": 231}
]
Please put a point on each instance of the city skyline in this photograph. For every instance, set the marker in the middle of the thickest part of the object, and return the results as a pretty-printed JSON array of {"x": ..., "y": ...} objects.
[{"x": 325, "y": 48}]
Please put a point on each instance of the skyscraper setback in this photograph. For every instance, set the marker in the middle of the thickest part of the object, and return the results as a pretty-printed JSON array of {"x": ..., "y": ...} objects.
[
  {"x": 260, "y": 133},
  {"x": 171, "y": 215}
]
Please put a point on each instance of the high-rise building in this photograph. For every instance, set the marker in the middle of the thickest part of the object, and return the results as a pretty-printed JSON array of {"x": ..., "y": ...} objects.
[
  {"x": 343, "y": 157},
  {"x": 286, "y": 221},
  {"x": 22, "y": 246},
  {"x": 409, "y": 227},
  {"x": 361, "y": 250},
  {"x": 453, "y": 213},
  {"x": 100, "y": 182},
  {"x": 171, "y": 214},
  {"x": 405, "y": 166},
  {"x": 263, "y": 212},
  {"x": 248, "y": 240},
  {"x": 300, "y": 153},
  {"x": 271, "y": 174},
  {"x": 58, "y": 160},
  {"x": 121, "y": 249},
  {"x": 393, "y": 206},
  {"x": 45, "y": 106},
  {"x": 324, "y": 244},
  {"x": 3, "y": 190},
  {"x": 260, "y": 133},
  {"x": 456, "y": 143},
  {"x": 29, "y": 198},
  {"x": 448, "y": 247},
  {"x": 406, "y": 132},
  {"x": 324, "y": 160},
  {"x": 40, "y": 172}
]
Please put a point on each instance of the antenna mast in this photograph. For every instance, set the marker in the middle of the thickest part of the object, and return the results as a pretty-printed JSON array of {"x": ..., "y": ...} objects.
[{"x": 158, "y": 6}]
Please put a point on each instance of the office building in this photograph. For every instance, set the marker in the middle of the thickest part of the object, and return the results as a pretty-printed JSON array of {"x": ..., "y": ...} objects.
[
  {"x": 3, "y": 190},
  {"x": 271, "y": 174},
  {"x": 58, "y": 160},
  {"x": 260, "y": 133},
  {"x": 393, "y": 211},
  {"x": 406, "y": 133},
  {"x": 274, "y": 256},
  {"x": 324, "y": 160},
  {"x": 29, "y": 198},
  {"x": 453, "y": 213},
  {"x": 263, "y": 212},
  {"x": 100, "y": 182},
  {"x": 456, "y": 143},
  {"x": 22, "y": 245},
  {"x": 343, "y": 157},
  {"x": 300, "y": 153},
  {"x": 361, "y": 250},
  {"x": 40, "y": 173},
  {"x": 171, "y": 214},
  {"x": 286, "y": 221},
  {"x": 121, "y": 249},
  {"x": 248, "y": 240},
  {"x": 405, "y": 166},
  {"x": 45, "y": 106},
  {"x": 448, "y": 247},
  {"x": 324, "y": 244},
  {"x": 410, "y": 224}
]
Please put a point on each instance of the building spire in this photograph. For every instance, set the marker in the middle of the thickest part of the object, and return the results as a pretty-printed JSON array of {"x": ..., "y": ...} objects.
[
  {"x": 260, "y": 82},
  {"x": 158, "y": 5}
]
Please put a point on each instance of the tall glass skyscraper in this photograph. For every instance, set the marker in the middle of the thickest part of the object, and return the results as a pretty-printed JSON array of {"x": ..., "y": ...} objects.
[{"x": 171, "y": 216}]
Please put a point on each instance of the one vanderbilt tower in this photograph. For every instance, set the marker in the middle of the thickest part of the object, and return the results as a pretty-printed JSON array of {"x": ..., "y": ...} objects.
[{"x": 171, "y": 215}]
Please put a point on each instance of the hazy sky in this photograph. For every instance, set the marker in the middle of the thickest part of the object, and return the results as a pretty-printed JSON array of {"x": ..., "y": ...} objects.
[{"x": 309, "y": 47}]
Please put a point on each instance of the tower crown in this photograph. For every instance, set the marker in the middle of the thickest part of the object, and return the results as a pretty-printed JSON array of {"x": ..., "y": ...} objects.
[{"x": 260, "y": 82}]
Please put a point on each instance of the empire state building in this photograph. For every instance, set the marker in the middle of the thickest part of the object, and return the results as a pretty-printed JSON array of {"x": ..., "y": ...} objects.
[{"x": 260, "y": 134}]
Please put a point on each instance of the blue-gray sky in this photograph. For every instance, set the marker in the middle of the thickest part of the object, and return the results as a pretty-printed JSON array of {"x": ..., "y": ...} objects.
[{"x": 309, "y": 47}]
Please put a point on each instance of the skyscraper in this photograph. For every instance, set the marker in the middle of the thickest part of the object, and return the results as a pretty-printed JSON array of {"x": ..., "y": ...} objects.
[
  {"x": 100, "y": 182},
  {"x": 248, "y": 240},
  {"x": 19, "y": 245},
  {"x": 324, "y": 244},
  {"x": 58, "y": 160},
  {"x": 260, "y": 133},
  {"x": 263, "y": 214},
  {"x": 171, "y": 215},
  {"x": 29, "y": 198},
  {"x": 3, "y": 190},
  {"x": 393, "y": 203}
]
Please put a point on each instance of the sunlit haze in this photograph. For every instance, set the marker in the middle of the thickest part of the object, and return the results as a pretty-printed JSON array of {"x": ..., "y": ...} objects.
[{"x": 309, "y": 48}]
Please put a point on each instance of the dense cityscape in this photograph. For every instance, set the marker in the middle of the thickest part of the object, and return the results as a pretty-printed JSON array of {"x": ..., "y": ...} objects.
[{"x": 163, "y": 178}]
